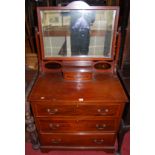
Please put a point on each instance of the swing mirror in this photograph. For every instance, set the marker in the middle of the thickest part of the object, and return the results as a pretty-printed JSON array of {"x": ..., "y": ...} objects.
[{"x": 77, "y": 33}]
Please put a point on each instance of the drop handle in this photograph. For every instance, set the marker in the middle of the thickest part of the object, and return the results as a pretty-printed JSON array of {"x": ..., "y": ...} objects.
[
  {"x": 100, "y": 126},
  {"x": 52, "y": 111},
  {"x": 54, "y": 126},
  {"x": 56, "y": 141},
  {"x": 98, "y": 141},
  {"x": 103, "y": 111}
]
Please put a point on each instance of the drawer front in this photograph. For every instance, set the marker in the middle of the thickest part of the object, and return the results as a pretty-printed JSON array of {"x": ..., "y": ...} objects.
[
  {"x": 50, "y": 126},
  {"x": 99, "y": 110},
  {"x": 97, "y": 125},
  {"x": 107, "y": 139},
  {"x": 77, "y": 76},
  {"x": 70, "y": 125},
  {"x": 74, "y": 108},
  {"x": 53, "y": 110}
]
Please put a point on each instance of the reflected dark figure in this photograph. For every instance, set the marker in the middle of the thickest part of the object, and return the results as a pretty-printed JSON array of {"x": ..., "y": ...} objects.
[{"x": 80, "y": 26}]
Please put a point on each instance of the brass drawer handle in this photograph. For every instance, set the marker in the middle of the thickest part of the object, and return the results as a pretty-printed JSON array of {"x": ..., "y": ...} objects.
[
  {"x": 98, "y": 141},
  {"x": 103, "y": 111},
  {"x": 100, "y": 126},
  {"x": 54, "y": 126},
  {"x": 52, "y": 111},
  {"x": 56, "y": 141}
]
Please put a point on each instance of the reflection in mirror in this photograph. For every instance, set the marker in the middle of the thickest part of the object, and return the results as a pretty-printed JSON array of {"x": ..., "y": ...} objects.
[{"x": 77, "y": 32}]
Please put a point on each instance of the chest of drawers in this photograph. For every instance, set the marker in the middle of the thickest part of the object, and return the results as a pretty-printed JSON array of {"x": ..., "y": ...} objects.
[
  {"x": 73, "y": 115},
  {"x": 77, "y": 100}
]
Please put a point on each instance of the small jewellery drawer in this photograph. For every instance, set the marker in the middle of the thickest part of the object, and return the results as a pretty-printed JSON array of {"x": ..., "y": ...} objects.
[
  {"x": 71, "y": 139},
  {"x": 99, "y": 110},
  {"x": 69, "y": 125},
  {"x": 53, "y": 109}
]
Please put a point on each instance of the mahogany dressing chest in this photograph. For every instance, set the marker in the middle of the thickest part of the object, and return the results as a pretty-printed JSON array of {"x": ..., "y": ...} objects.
[{"x": 77, "y": 99}]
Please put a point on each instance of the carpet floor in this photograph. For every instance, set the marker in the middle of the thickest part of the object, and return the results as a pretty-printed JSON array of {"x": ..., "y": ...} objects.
[{"x": 125, "y": 150}]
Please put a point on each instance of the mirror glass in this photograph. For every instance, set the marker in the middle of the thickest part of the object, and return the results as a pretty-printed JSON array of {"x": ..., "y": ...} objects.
[{"x": 84, "y": 33}]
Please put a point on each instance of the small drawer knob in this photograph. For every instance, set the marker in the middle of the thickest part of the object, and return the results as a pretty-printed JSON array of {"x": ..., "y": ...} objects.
[
  {"x": 106, "y": 110},
  {"x": 54, "y": 126},
  {"x": 98, "y": 141},
  {"x": 56, "y": 141},
  {"x": 42, "y": 97},
  {"x": 103, "y": 111},
  {"x": 52, "y": 111},
  {"x": 100, "y": 126}
]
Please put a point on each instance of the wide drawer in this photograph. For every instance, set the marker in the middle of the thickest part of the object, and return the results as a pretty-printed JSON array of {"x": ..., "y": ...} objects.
[
  {"x": 49, "y": 125},
  {"x": 85, "y": 109},
  {"x": 81, "y": 139}
]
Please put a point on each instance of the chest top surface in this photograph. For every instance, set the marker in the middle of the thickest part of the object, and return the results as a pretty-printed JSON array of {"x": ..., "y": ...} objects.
[{"x": 104, "y": 87}]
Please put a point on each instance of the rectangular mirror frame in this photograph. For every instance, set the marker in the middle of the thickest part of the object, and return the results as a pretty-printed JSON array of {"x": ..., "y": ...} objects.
[{"x": 79, "y": 57}]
